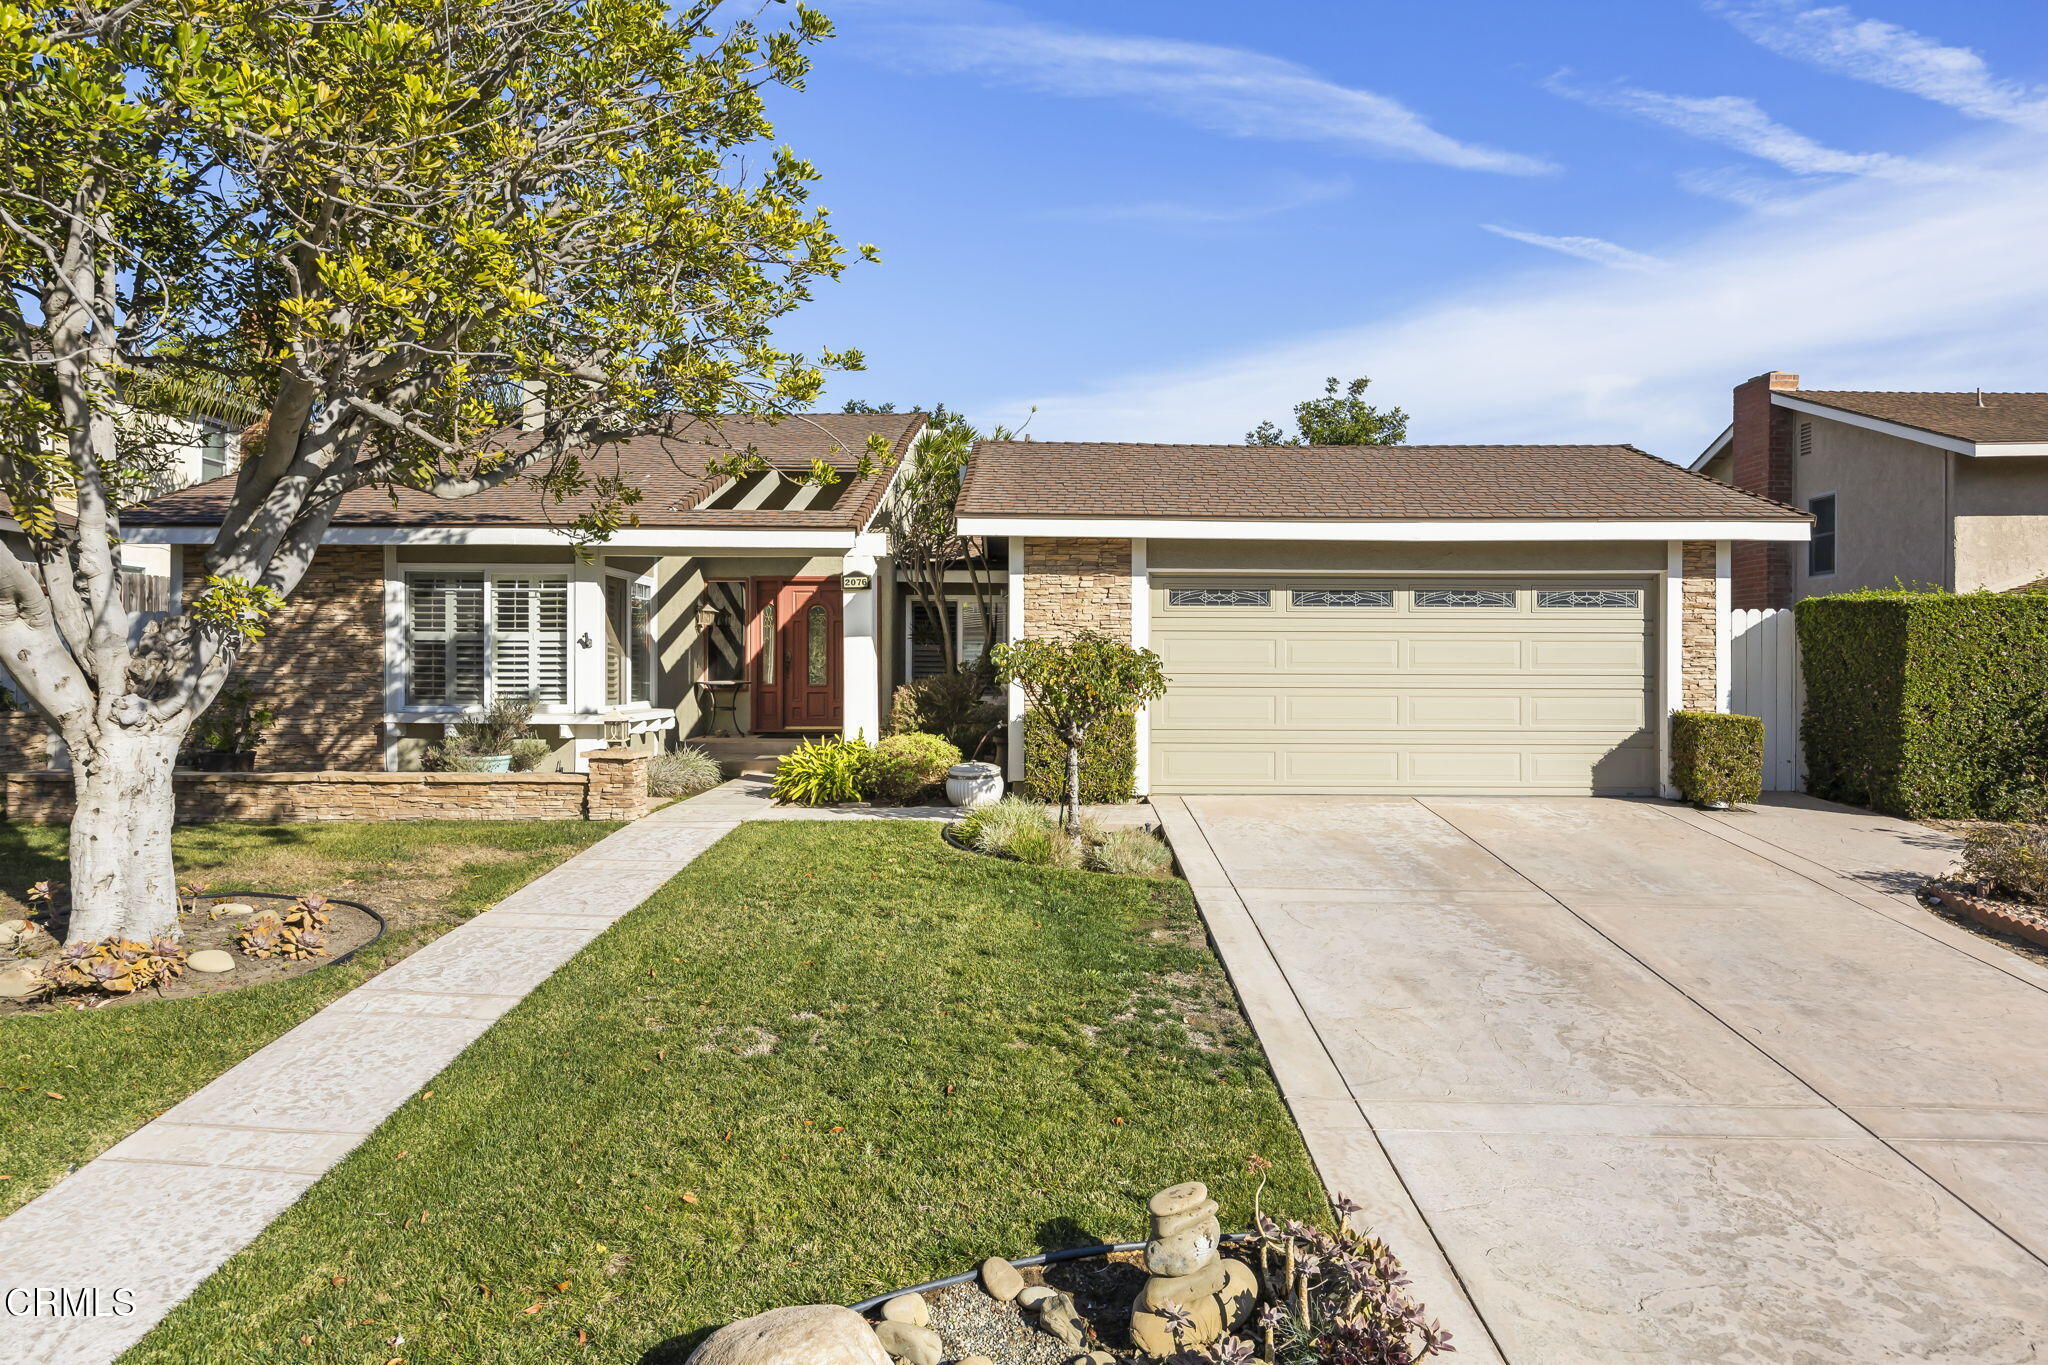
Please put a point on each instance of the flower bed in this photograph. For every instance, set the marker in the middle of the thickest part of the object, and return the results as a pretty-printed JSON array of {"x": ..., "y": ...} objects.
[{"x": 2028, "y": 922}]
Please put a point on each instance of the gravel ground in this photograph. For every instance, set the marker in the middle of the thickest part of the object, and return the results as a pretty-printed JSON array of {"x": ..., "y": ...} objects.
[{"x": 970, "y": 1323}]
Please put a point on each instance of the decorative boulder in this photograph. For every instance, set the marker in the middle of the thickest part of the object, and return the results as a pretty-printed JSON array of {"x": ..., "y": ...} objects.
[
  {"x": 909, "y": 1343},
  {"x": 806, "y": 1334},
  {"x": 210, "y": 960},
  {"x": 1001, "y": 1279}
]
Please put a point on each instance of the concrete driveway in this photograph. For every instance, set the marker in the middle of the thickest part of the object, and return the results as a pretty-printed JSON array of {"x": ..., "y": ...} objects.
[{"x": 1623, "y": 1081}]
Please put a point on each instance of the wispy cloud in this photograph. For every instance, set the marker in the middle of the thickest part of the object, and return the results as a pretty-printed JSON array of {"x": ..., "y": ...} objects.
[
  {"x": 1595, "y": 249},
  {"x": 1885, "y": 54},
  {"x": 1739, "y": 122},
  {"x": 1285, "y": 197},
  {"x": 1858, "y": 288},
  {"x": 1230, "y": 90},
  {"x": 1761, "y": 194}
]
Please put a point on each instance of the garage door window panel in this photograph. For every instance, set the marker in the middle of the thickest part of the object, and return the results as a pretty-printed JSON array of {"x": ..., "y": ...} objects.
[
  {"x": 1342, "y": 597},
  {"x": 1588, "y": 599},
  {"x": 1430, "y": 598},
  {"x": 1219, "y": 597}
]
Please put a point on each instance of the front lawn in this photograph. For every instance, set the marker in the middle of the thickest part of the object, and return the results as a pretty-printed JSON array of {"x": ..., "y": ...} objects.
[
  {"x": 74, "y": 1083},
  {"x": 824, "y": 1061}
]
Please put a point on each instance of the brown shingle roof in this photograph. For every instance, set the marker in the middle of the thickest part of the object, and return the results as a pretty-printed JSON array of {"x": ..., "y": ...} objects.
[
  {"x": 667, "y": 466},
  {"x": 1346, "y": 483},
  {"x": 2004, "y": 416}
]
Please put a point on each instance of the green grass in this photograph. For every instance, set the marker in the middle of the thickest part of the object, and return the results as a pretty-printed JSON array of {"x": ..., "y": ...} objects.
[
  {"x": 824, "y": 1061},
  {"x": 117, "y": 1068}
]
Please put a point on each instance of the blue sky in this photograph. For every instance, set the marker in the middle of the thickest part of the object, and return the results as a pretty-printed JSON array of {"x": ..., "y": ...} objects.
[{"x": 1582, "y": 220}]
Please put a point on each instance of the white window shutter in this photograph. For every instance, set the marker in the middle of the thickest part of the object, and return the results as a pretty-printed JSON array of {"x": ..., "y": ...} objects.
[
  {"x": 530, "y": 638},
  {"x": 444, "y": 622},
  {"x": 972, "y": 643}
]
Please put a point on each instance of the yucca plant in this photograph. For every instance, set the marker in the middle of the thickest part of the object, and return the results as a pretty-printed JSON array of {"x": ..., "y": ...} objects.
[{"x": 819, "y": 772}]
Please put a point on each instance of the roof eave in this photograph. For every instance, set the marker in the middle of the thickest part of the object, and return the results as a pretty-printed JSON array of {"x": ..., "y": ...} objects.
[{"x": 1786, "y": 526}]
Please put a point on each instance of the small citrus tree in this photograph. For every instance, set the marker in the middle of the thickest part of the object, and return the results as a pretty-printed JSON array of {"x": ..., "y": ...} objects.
[{"x": 1075, "y": 684}]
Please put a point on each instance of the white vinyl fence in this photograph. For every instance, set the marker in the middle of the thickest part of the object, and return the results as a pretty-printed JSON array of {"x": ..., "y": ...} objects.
[{"x": 1763, "y": 657}]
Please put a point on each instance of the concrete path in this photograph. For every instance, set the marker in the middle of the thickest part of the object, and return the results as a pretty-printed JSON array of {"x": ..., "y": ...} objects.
[
  {"x": 1623, "y": 1081},
  {"x": 129, "y": 1235}
]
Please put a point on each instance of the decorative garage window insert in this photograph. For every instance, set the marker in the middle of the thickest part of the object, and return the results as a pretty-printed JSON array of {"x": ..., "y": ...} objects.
[
  {"x": 1218, "y": 597},
  {"x": 1343, "y": 597},
  {"x": 1590, "y": 597},
  {"x": 1465, "y": 597}
]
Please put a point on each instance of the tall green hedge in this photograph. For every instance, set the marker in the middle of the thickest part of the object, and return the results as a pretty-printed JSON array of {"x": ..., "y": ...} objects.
[
  {"x": 1927, "y": 704},
  {"x": 1717, "y": 757},
  {"x": 1109, "y": 761}
]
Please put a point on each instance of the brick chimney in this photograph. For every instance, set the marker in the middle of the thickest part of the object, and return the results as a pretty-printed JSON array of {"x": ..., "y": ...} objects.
[{"x": 1760, "y": 459}]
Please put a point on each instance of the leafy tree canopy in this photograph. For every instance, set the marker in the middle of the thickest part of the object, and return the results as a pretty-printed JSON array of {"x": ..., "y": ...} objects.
[{"x": 1336, "y": 419}]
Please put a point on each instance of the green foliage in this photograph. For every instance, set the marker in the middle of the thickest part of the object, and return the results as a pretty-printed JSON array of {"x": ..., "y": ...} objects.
[
  {"x": 1717, "y": 757},
  {"x": 234, "y": 724},
  {"x": 1130, "y": 852},
  {"x": 493, "y": 731},
  {"x": 1077, "y": 688},
  {"x": 905, "y": 765},
  {"x": 683, "y": 772},
  {"x": 1336, "y": 419},
  {"x": 529, "y": 752},
  {"x": 1109, "y": 761},
  {"x": 949, "y": 704},
  {"x": 819, "y": 772},
  {"x": 1927, "y": 704},
  {"x": 235, "y": 606},
  {"x": 2009, "y": 861}
]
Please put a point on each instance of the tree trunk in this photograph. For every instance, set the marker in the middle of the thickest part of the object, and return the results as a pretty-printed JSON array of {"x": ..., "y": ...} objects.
[
  {"x": 1070, "y": 808},
  {"x": 122, "y": 882}
]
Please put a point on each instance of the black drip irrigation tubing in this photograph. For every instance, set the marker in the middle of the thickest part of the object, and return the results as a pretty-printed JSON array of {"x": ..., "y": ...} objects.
[{"x": 1047, "y": 1258}]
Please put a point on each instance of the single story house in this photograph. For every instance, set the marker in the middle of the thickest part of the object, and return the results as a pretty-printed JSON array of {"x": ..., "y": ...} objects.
[
  {"x": 754, "y": 606},
  {"x": 1384, "y": 619}
]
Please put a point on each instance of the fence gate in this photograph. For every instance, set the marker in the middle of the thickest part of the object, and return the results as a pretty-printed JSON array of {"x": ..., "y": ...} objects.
[{"x": 1763, "y": 657}]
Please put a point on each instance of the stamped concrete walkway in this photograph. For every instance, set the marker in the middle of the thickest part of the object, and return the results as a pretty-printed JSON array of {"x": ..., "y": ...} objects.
[
  {"x": 164, "y": 1208},
  {"x": 1623, "y": 1081}
]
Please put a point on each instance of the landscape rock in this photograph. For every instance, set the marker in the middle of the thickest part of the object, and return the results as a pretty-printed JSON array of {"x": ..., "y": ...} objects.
[
  {"x": 804, "y": 1334},
  {"x": 1001, "y": 1279},
  {"x": 24, "y": 938},
  {"x": 910, "y": 1308},
  {"x": 911, "y": 1344},
  {"x": 1058, "y": 1316},
  {"x": 974, "y": 1360},
  {"x": 19, "y": 983},
  {"x": 235, "y": 908},
  {"x": 1031, "y": 1295},
  {"x": 210, "y": 960}
]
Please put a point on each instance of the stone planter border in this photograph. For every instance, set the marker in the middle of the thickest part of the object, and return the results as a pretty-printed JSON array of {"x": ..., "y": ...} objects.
[
  {"x": 1990, "y": 914},
  {"x": 1044, "y": 1258}
]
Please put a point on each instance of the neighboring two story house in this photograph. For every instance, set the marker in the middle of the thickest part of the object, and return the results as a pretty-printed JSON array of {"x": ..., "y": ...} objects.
[{"x": 1942, "y": 489}]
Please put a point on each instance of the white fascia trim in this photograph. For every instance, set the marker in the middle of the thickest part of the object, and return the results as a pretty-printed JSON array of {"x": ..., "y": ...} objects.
[
  {"x": 1141, "y": 636},
  {"x": 1857, "y": 419},
  {"x": 1013, "y": 629},
  {"x": 1159, "y": 529},
  {"x": 1719, "y": 444},
  {"x": 1671, "y": 665},
  {"x": 696, "y": 539},
  {"x": 2030, "y": 449}
]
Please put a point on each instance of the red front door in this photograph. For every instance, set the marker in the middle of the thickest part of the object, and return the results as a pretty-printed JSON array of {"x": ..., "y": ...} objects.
[{"x": 797, "y": 654}]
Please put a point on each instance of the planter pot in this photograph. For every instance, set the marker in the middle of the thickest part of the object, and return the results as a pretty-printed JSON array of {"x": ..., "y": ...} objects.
[
  {"x": 974, "y": 784},
  {"x": 491, "y": 763}
]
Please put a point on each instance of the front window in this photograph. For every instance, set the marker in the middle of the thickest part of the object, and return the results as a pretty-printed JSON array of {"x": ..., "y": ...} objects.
[
  {"x": 628, "y": 640},
  {"x": 213, "y": 454},
  {"x": 1820, "y": 551},
  {"x": 474, "y": 638}
]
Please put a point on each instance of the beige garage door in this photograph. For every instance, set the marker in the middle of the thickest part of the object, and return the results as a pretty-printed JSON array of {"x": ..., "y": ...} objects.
[{"x": 1508, "y": 685}]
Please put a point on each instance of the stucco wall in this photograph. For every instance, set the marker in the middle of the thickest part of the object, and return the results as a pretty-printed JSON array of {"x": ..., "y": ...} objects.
[
  {"x": 2001, "y": 522},
  {"x": 1889, "y": 499}
]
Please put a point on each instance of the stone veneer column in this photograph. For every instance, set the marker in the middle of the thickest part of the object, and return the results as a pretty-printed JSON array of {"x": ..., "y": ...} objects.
[
  {"x": 618, "y": 784},
  {"x": 1073, "y": 584},
  {"x": 1699, "y": 620}
]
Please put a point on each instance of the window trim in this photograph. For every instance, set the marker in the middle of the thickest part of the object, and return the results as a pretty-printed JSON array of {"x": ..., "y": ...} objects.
[
  {"x": 1833, "y": 534},
  {"x": 628, "y": 667},
  {"x": 490, "y": 574}
]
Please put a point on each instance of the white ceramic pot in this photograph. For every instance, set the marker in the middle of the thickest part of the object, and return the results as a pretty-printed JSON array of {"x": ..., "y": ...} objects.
[{"x": 974, "y": 784}]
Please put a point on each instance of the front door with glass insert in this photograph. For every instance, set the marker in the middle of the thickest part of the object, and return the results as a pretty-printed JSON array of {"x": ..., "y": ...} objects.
[{"x": 797, "y": 654}]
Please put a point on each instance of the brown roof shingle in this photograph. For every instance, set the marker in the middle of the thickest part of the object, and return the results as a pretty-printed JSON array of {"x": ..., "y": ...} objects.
[
  {"x": 2004, "y": 417},
  {"x": 1347, "y": 483},
  {"x": 667, "y": 466}
]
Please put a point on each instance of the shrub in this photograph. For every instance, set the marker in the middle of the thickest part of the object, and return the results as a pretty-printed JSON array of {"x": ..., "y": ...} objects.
[
  {"x": 994, "y": 827},
  {"x": 683, "y": 772},
  {"x": 819, "y": 772},
  {"x": 1927, "y": 704},
  {"x": 952, "y": 705},
  {"x": 1109, "y": 761},
  {"x": 1131, "y": 853},
  {"x": 529, "y": 753},
  {"x": 905, "y": 765},
  {"x": 492, "y": 730},
  {"x": 2009, "y": 861},
  {"x": 1717, "y": 757}
]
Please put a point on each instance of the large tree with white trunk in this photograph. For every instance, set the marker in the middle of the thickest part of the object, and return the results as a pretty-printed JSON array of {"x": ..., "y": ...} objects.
[{"x": 394, "y": 225}]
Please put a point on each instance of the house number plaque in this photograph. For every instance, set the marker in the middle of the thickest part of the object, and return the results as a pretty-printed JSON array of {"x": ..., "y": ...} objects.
[{"x": 856, "y": 582}]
